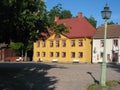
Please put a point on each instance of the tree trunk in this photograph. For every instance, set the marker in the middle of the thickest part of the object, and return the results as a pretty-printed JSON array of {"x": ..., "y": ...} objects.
[{"x": 25, "y": 55}]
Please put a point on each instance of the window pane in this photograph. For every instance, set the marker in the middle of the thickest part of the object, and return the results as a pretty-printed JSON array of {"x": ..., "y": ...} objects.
[
  {"x": 80, "y": 54},
  {"x": 43, "y": 54},
  {"x": 80, "y": 43},
  {"x": 43, "y": 44},
  {"x": 57, "y": 43},
  {"x": 115, "y": 42},
  {"x": 73, "y": 43},
  {"x": 38, "y": 54},
  {"x": 51, "y": 43},
  {"x": 57, "y": 36},
  {"x": 72, "y": 54},
  {"x": 102, "y": 43},
  {"x": 57, "y": 54},
  {"x": 64, "y": 43},
  {"x": 63, "y": 54},
  {"x": 51, "y": 54}
]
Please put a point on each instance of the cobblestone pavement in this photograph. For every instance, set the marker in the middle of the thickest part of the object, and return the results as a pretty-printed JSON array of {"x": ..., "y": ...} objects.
[
  {"x": 41, "y": 76},
  {"x": 80, "y": 76}
]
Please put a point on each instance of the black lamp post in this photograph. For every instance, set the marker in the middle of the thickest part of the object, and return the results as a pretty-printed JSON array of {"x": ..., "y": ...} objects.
[{"x": 106, "y": 14}]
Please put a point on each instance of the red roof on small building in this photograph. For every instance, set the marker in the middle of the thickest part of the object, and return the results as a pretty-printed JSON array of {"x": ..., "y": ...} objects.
[{"x": 78, "y": 27}]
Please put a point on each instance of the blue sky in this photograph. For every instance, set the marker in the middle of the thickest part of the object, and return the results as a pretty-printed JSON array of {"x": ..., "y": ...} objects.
[{"x": 89, "y": 8}]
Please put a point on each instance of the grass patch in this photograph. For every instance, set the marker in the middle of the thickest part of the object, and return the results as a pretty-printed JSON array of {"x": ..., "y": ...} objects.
[
  {"x": 112, "y": 83},
  {"x": 109, "y": 86}
]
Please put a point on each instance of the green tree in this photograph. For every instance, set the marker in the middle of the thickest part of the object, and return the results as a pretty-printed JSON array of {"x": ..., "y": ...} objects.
[
  {"x": 109, "y": 23},
  {"x": 55, "y": 11},
  {"x": 92, "y": 21},
  {"x": 23, "y": 21},
  {"x": 19, "y": 18},
  {"x": 58, "y": 11},
  {"x": 65, "y": 14},
  {"x": 18, "y": 47},
  {"x": 61, "y": 28}
]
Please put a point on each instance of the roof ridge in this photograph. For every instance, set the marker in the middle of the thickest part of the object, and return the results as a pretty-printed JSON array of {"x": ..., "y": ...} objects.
[
  {"x": 109, "y": 25},
  {"x": 69, "y": 18},
  {"x": 112, "y": 31}
]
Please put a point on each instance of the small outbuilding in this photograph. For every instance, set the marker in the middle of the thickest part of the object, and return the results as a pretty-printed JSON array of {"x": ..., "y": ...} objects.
[{"x": 112, "y": 44}]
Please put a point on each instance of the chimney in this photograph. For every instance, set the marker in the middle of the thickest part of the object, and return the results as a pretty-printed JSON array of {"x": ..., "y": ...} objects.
[
  {"x": 56, "y": 18},
  {"x": 79, "y": 14}
]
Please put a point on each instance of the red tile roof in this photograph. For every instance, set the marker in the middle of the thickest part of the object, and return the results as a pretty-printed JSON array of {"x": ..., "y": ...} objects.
[
  {"x": 112, "y": 31},
  {"x": 79, "y": 27}
]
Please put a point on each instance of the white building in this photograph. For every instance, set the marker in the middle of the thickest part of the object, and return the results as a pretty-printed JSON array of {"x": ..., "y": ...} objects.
[{"x": 112, "y": 44}]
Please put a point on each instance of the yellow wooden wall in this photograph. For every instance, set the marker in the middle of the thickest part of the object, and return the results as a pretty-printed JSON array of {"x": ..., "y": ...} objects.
[{"x": 86, "y": 49}]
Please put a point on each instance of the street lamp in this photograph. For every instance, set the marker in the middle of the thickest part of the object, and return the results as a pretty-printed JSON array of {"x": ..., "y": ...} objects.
[{"x": 106, "y": 14}]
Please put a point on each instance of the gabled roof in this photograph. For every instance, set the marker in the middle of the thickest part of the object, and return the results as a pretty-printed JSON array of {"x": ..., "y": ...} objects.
[
  {"x": 112, "y": 31},
  {"x": 78, "y": 27}
]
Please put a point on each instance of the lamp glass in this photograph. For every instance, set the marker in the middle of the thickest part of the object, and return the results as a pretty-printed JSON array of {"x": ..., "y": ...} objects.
[{"x": 106, "y": 13}]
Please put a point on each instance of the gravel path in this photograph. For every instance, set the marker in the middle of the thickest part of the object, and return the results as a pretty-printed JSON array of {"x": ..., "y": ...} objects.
[
  {"x": 40, "y": 76},
  {"x": 80, "y": 76}
]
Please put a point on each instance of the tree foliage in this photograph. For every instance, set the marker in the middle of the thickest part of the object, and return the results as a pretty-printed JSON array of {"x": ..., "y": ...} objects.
[
  {"x": 16, "y": 46},
  {"x": 65, "y": 14},
  {"x": 61, "y": 28},
  {"x": 58, "y": 11},
  {"x": 55, "y": 11},
  {"x": 109, "y": 23},
  {"x": 24, "y": 21},
  {"x": 19, "y": 18},
  {"x": 92, "y": 21}
]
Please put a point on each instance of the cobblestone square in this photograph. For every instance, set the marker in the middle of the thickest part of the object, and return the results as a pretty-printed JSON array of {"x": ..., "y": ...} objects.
[{"x": 53, "y": 76}]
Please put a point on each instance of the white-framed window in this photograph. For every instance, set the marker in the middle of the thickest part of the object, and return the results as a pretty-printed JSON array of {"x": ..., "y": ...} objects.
[
  {"x": 43, "y": 43},
  {"x": 101, "y": 43},
  {"x": 57, "y": 54},
  {"x": 51, "y": 54},
  {"x": 80, "y": 43},
  {"x": 57, "y": 43},
  {"x": 51, "y": 43},
  {"x": 72, "y": 54},
  {"x": 38, "y": 54},
  {"x": 63, "y": 54},
  {"x": 72, "y": 43},
  {"x": 43, "y": 54},
  {"x": 115, "y": 42},
  {"x": 80, "y": 54},
  {"x": 63, "y": 43}
]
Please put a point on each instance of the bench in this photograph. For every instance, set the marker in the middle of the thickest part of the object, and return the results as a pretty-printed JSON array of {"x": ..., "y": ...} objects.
[
  {"x": 19, "y": 59},
  {"x": 40, "y": 60},
  {"x": 55, "y": 60},
  {"x": 75, "y": 61}
]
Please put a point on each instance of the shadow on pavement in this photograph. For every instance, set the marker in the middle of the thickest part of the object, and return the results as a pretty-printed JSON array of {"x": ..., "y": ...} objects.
[
  {"x": 26, "y": 76},
  {"x": 114, "y": 66},
  {"x": 95, "y": 81}
]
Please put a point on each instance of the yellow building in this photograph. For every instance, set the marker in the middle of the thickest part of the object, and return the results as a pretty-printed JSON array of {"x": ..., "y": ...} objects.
[{"x": 74, "y": 46}]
